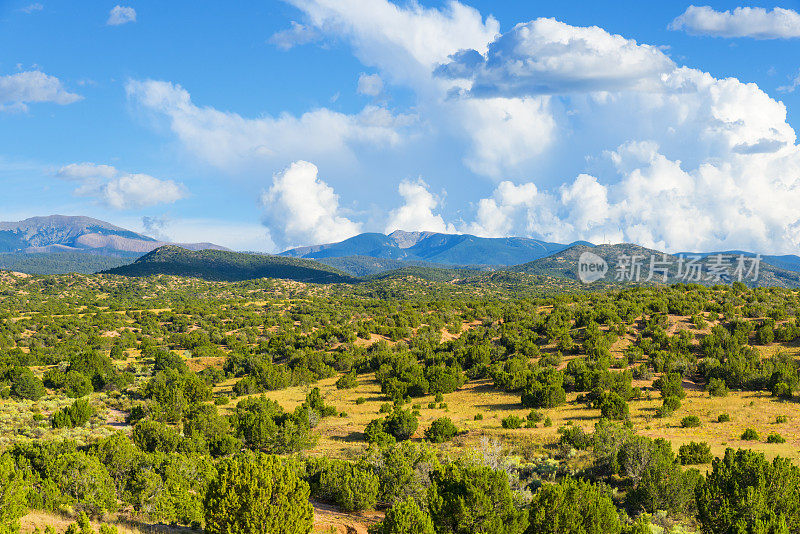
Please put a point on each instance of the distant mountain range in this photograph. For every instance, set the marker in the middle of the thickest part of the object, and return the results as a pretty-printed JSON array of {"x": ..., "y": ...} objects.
[
  {"x": 59, "y": 244},
  {"x": 219, "y": 265},
  {"x": 437, "y": 248},
  {"x": 60, "y": 233}
]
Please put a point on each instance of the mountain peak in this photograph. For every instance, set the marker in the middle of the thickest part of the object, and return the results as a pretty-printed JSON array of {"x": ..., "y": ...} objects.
[
  {"x": 409, "y": 239},
  {"x": 66, "y": 233}
]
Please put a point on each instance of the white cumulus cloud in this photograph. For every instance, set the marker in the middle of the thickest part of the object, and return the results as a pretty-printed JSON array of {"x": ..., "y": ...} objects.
[
  {"x": 411, "y": 38},
  {"x": 754, "y": 22},
  {"x": 227, "y": 139},
  {"x": 23, "y": 88},
  {"x": 417, "y": 211},
  {"x": 119, "y": 190},
  {"x": 121, "y": 15},
  {"x": 546, "y": 56},
  {"x": 301, "y": 209}
]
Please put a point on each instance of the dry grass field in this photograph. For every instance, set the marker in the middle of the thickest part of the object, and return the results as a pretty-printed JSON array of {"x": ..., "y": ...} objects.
[{"x": 342, "y": 436}]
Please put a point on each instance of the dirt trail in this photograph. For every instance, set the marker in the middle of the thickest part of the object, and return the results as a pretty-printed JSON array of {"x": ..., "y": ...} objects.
[{"x": 329, "y": 519}]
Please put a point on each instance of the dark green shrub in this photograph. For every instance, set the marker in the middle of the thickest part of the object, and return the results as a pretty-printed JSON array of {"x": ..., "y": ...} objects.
[
  {"x": 444, "y": 378},
  {"x": 749, "y": 435},
  {"x": 717, "y": 388},
  {"x": 690, "y": 421},
  {"x": 660, "y": 483},
  {"x": 85, "y": 480},
  {"x": 202, "y": 421},
  {"x": 441, "y": 430},
  {"x": 347, "y": 381},
  {"x": 75, "y": 415},
  {"x": 401, "y": 424},
  {"x": 723, "y": 418},
  {"x": 774, "y": 437},
  {"x": 535, "y": 416},
  {"x": 670, "y": 385},
  {"x": 257, "y": 493},
  {"x": 76, "y": 384},
  {"x": 765, "y": 335},
  {"x": 545, "y": 390},
  {"x": 781, "y": 419},
  {"x": 24, "y": 385},
  {"x": 745, "y": 493},
  {"x": 783, "y": 390},
  {"x": 262, "y": 425},
  {"x": 613, "y": 406},
  {"x": 315, "y": 403},
  {"x": 575, "y": 437},
  {"x": 512, "y": 422},
  {"x": 573, "y": 505},
  {"x": 405, "y": 517},
  {"x": 671, "y": 403},
  {"x": 694, "y": 453},
  {"x": 13, "y": 502},
  {"x": 353, "y": 487},
  {"x": 152, "y": 436},
  {"x": 375, "y": 432},
  {"x": 467, "y": 498}
]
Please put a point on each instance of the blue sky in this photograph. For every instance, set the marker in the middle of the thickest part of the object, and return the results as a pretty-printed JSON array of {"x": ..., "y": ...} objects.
[{"x": 264, "y": 125}]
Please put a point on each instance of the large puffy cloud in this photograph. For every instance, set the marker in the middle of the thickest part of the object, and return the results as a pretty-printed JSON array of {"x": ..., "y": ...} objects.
[
  {"x": 411, "y": 40},
  {"x": 299, "y": 208},
  {"x": 546, "y": 56},
  {"x": 500, "y": 214},
  {"x": 417, "y": 211},
  {"x": 23, "y": 88},
  {"x": 227, "y": 139},
  {"x": 657, "y": 203},
  {"x": 755, "y": 22},
  {"x": 502, "y": 134},
  {"x": 407, "y": 44},
  {"x": 120, "y": 190}
]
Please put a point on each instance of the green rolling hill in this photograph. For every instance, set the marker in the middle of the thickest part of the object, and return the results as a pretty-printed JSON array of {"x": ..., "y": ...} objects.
[{"x": 220, "y": 265}]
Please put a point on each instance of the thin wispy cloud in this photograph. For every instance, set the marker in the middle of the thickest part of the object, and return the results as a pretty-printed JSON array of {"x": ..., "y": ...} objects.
[
  {"x": 121, "y": 15},
  {"x": 753, "y": 22},
  {"x": 795, "y": 83},
  {"x": 296, "y": 34},
  {"x": 32, "y": 8}
]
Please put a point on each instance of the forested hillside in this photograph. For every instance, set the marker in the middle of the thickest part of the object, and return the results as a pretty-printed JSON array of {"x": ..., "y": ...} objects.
[
  {"x": 60, "y": 263},
  {"x": 228, "y": 266}
]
